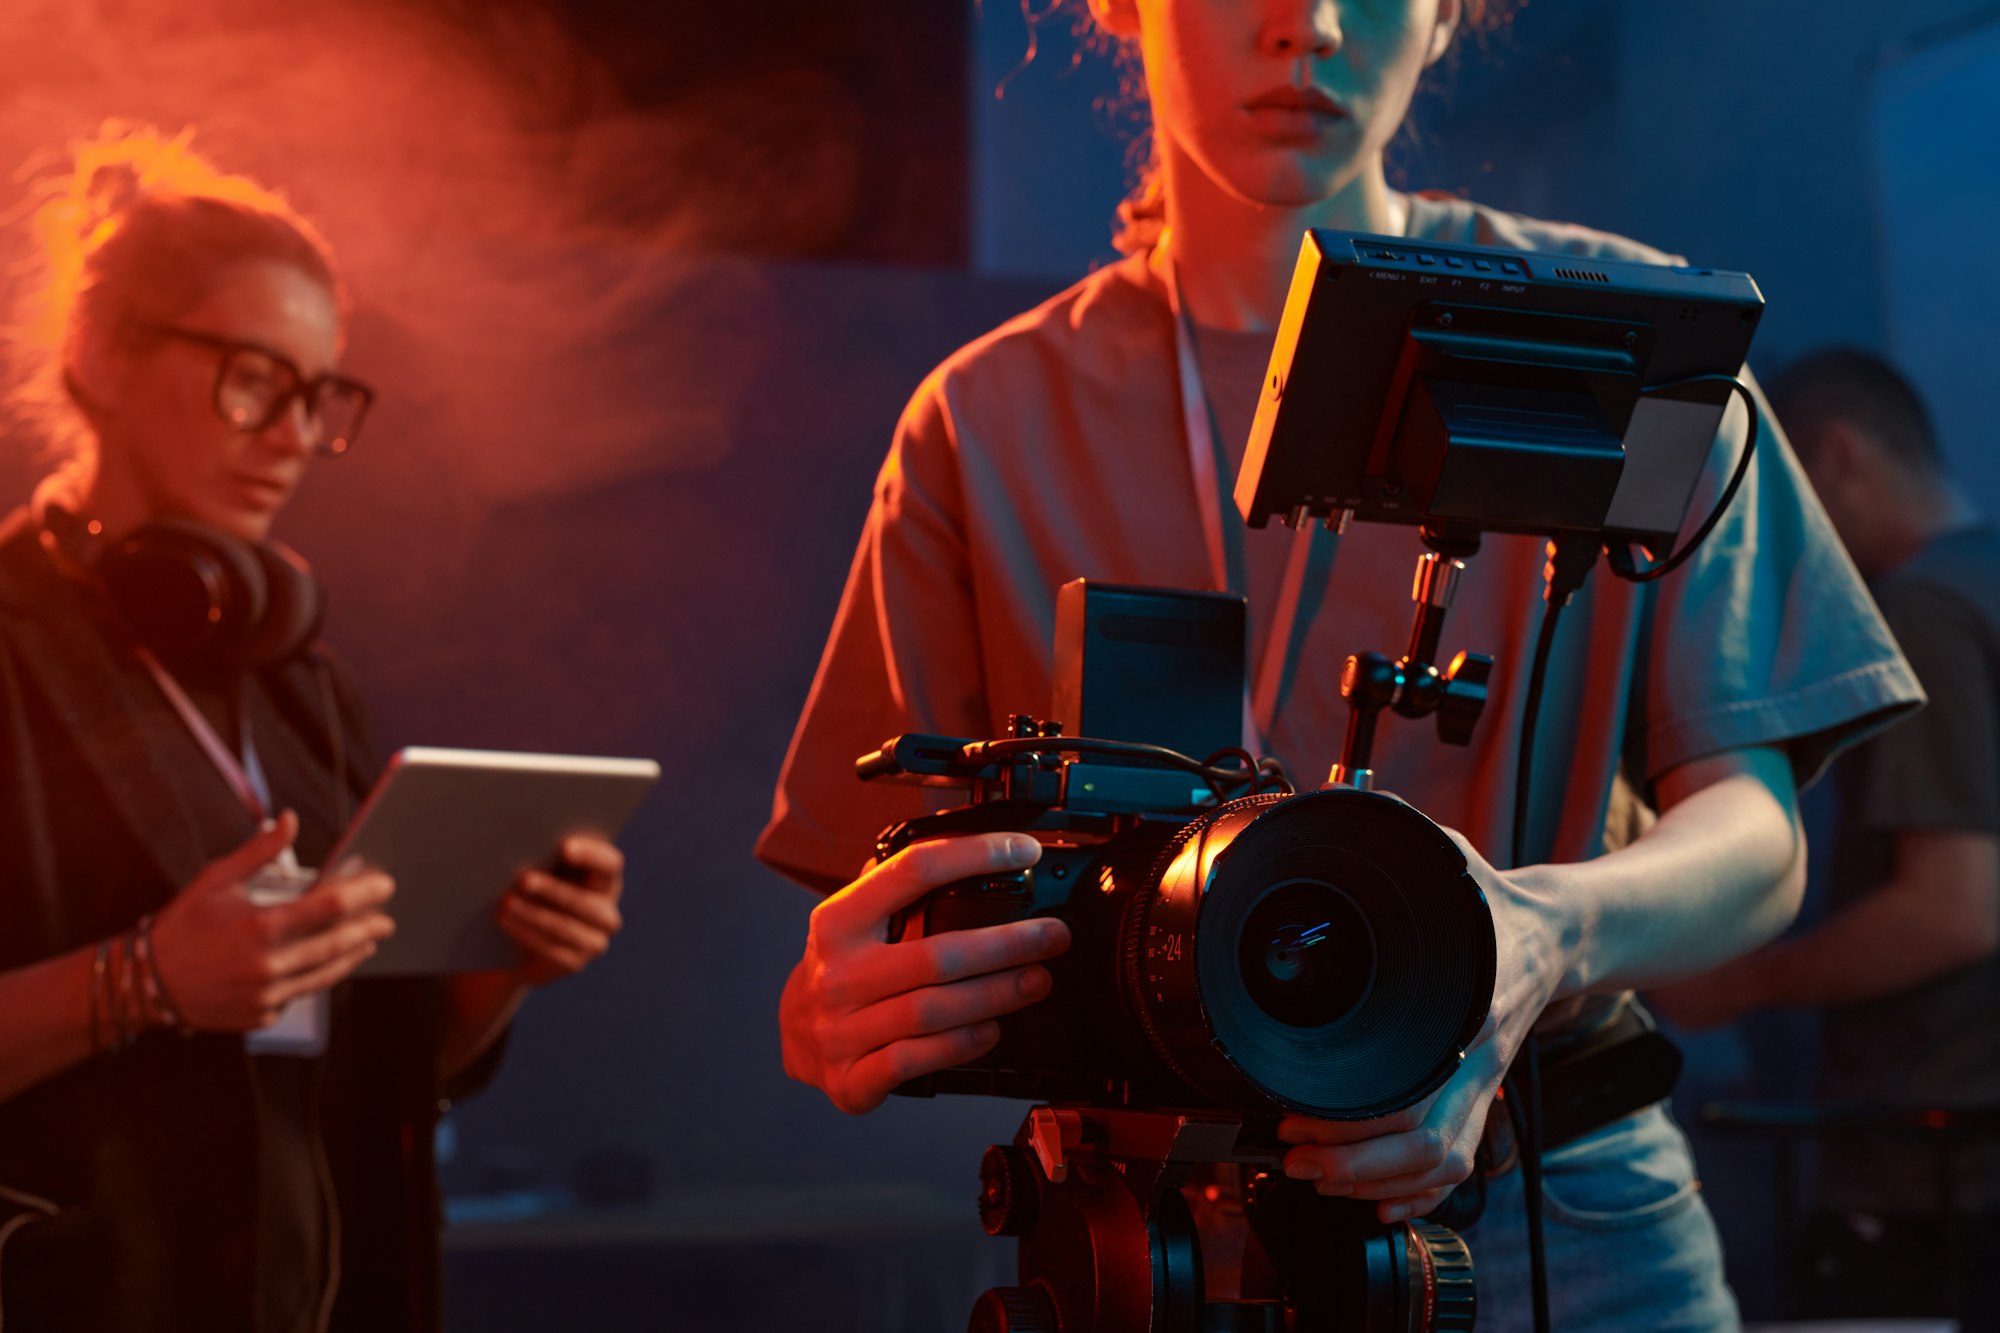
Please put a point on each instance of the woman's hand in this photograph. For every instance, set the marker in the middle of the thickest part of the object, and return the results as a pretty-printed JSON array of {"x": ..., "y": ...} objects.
[
  {"x": 861, "y": 1015},
  {"x": 564, "y": 924},
  {"x": 1408, "y": 1162},
  {"x": 1718, "y": 875},
  {"x": 230, "y": 965}
]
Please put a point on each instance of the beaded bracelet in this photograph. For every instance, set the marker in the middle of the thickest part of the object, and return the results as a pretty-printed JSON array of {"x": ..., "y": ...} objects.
[
  {"x": 162, "y": 1009},
  {"x": 127, "y": 996}
]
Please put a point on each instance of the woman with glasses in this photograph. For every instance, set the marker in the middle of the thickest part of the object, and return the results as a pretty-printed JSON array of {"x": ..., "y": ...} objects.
[{"x": 203, "y": 1123}]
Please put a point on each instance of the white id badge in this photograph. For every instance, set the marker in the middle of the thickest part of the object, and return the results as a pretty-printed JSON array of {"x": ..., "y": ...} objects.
[{"x": 300, "y": 1029}]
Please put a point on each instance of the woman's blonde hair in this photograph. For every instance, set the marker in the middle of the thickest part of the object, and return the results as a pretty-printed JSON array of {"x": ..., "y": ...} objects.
[{"x": 136, "y": 231}]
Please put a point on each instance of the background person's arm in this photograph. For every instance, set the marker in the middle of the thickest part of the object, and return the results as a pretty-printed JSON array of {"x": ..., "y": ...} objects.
[
  {"x": 1929, "y": 787},
  {"x": 1939, "y": 912}
]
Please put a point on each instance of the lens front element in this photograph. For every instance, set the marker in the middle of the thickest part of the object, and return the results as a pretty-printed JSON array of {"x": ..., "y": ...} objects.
[{"x": 1307, "y": 954}]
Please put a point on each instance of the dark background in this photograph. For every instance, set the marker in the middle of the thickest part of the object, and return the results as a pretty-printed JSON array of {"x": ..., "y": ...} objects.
[{"x": 644, "y": 288}]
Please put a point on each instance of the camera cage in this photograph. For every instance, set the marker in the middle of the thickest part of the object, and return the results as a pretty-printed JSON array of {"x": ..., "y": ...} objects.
[{"x": 1195, "y": 885}]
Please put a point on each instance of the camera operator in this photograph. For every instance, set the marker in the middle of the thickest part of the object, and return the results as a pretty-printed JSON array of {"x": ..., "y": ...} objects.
[
  {"x": 1907, "y": 961},
  {"x": 1059, "y": 447}
]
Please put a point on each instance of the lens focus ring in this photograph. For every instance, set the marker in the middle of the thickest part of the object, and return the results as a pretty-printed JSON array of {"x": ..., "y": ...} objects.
[{"x": 1446, "y": 1263}]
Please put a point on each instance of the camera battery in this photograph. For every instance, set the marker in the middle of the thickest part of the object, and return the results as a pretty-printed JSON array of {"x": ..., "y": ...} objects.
[{"x": 1161, "y": 666}]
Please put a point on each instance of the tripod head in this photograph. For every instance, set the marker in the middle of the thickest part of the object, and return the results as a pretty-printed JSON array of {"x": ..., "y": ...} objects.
[{"x": 1099, "y": 1201}]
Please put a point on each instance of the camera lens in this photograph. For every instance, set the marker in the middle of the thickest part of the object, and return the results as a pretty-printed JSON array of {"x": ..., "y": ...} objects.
[
  {"x": 1326, "y": 953},
  {"x": 1307, "y": 953}
]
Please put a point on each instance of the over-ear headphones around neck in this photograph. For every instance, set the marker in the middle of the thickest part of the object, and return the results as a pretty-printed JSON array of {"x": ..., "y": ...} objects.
[{"x": 191, "y": 590}]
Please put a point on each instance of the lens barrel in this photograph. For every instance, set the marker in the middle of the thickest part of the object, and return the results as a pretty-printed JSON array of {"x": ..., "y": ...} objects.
[{"x": 1326, "y": 953}]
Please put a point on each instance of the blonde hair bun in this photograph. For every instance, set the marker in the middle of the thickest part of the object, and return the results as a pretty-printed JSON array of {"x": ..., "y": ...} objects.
[
  {"x": 134, "y": 230},
  {"x": 107, "y": 194}
]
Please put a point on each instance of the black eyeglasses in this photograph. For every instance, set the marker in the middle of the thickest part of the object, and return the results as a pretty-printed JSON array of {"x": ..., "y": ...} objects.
[{"x": 254, "y": 386}]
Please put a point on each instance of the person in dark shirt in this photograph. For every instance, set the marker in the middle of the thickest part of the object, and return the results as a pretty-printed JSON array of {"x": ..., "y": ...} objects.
[
  {"x": 203, "y": 1123},
  {"x": 1906, "y": 963}
]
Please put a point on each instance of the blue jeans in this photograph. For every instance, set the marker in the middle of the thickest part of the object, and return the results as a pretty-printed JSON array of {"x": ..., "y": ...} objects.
[{"x": 1631, "y": 1248}]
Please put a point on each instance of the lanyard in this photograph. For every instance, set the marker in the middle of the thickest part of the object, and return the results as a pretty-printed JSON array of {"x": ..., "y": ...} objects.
[
  {"x": 244, "y": 774},
  {"x": 1306, "y": 568}
]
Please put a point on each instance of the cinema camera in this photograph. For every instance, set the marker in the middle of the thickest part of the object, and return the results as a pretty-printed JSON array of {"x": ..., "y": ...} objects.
[{"x": 1239, "y": 950}]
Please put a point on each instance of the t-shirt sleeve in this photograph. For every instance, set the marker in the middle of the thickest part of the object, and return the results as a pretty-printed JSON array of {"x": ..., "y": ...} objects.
[
  {"x": 1767, "y": 635},
  {"x": 1941, "y": 768},
  {"x": 903, "y": 656}
]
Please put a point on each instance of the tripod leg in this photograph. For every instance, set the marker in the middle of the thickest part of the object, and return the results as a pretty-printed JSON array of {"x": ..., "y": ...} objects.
[{"x": 1176, "y": 1247}]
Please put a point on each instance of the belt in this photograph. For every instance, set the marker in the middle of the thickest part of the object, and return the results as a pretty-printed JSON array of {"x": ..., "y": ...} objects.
[{"x": 1590, "y": 1081}]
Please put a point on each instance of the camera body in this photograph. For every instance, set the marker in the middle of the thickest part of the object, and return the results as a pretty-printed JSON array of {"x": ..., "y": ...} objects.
[
  {"x": 1326, "y": 952},
  {"x": 1233, "y": 947},
  {"x": 1059, "y": 1049}
]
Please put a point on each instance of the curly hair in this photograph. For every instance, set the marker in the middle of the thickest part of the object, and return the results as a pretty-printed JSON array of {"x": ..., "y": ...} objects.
[{"x": 135, "y": 231}]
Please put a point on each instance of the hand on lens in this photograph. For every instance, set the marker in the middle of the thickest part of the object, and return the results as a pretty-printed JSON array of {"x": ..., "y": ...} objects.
[
  {"x": 230, "y": 965},
  {"x": 861, "y": 1015},
  {"x": 563, "y": 923},
  {"x": 1408, "y": 1162}
]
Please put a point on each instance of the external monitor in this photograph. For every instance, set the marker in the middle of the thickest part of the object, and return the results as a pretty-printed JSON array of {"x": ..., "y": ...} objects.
[{"x": 1500, "y": 390}]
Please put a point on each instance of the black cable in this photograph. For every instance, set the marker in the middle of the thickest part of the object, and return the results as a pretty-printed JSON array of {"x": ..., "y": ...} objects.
[
  {"x": 1524, "y": 1101},
  {"x": 1275, "y": 776},
  {"x": 1219, "y": 778},
  {"x": 1524, "y": 1097},
  {"x": 1245, "y": 766},
  {"x": 1243, "y": 773},
  {"x": 1260, "y": 773},
  {"x": 1569, "y": 564},
  {"x": 1621, "y": 561},
  {"x": 979, "y": 751},
  {"x": 1531, "y": 710}
]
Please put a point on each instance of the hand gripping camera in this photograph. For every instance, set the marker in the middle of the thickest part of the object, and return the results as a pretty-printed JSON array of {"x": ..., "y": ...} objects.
[{"x": 1238, "y": 952}]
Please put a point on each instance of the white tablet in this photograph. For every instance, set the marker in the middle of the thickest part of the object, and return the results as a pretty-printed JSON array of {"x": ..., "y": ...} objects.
[{"x": 454, "y": 827}]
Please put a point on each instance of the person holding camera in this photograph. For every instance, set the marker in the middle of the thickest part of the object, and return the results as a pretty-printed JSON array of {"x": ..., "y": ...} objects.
[
  {"x": 1068, "y": 443},
  {"x": 203, "y": 1123}
]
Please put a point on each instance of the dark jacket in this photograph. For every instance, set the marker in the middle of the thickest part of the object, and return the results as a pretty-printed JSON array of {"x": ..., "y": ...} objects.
[{"x": 130, "y": 1185}]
